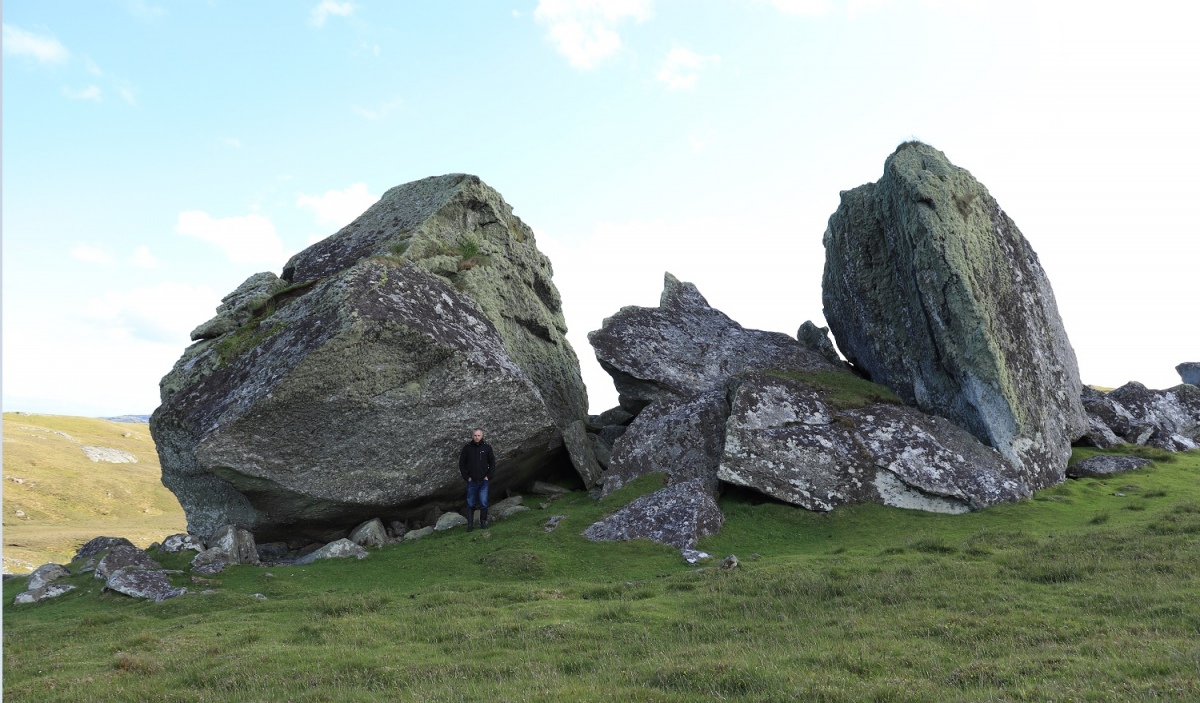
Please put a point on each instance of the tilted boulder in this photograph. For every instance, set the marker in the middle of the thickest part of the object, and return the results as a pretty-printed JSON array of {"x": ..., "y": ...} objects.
[
  {"x": 1189, "y": 371},
  {"x": 350, "y": 387},
  {"x": 122, "y": 557},
  {"x": 676, "y": 515},
  {"x": 45, "y": 575},
  {"x": 786, "y": 439},
  {"x": 684, "y": 347},
  {"x": 682, "y": 439},
  {"x": 176, "y": 543},
  {"x": 932, "y": 290},
  {"x": 142, "y": 583},
  {"x": 96, "y": 545},
  {"x": 371, "y": 533}
]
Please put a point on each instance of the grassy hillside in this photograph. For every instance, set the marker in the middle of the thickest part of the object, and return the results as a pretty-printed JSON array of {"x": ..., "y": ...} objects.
[
  {"x": 1085, "y": 593},
  {"x": 56, "y": 498}
]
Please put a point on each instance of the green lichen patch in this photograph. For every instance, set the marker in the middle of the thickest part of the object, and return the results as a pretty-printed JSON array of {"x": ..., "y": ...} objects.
[{"x": 245, "y": 338}]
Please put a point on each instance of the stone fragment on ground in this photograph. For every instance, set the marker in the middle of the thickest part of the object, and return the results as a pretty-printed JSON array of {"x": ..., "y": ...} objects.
[
  {"x": 99, "y": 544},
  {"x": 932, "y": 290},
  {"x": 122, "y": 557},
  {"x": 553, "y": 522},
  {"x": 729, "y": 563},
  {"x": 676, "y": 515},
  {"x": 341, "y": 549},
  {"x": 181, "y": 542},
  {"x": 370, "y": 534},
  {"x": 45, "y": 575},
  {"x": 142, "y": 583},
  {"x": 37, "y": 595},
  {"x": 694, "y": 556},
  {"x": 414, "y": 535},
  {"x": 109, "y": 455},
  {"x": 549, "y": 490},
  {"x": 449, "y": 521},
  {"x": 506, "y": 508},
  {"x": 1105, "y": 465}
]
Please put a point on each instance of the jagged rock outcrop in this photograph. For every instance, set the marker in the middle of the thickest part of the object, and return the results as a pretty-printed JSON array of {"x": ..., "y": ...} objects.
[
  {"x": 1167, "y": 419},
  {"x": 122, "y": 557},
  {"x": 930, "y": 288},
  {"x": 344, "y": 389},
  {"x": 150, "y": 584},
  {"x": 684, "y": 347},
  {"x": 96, "y": 545},
  {"x": 676, "y": 515},
  {"x": 1189, "y": 371},
  {"x": 817, "y": 339}
]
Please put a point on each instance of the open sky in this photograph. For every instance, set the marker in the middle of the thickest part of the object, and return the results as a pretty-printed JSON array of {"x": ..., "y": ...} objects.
[{"x": 158, "y": 152}]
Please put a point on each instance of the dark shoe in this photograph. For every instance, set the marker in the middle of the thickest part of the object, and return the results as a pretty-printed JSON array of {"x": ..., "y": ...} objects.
[
  {"x": 471, "y": 520},
  {"x": 483, "y": 518}
]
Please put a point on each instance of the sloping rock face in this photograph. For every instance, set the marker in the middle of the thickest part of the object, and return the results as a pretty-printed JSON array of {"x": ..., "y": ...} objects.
[
  {"x": 1167, "y": 419},
  {"x": 344, "y": 390},
  {"x": 932, "y": 290}
]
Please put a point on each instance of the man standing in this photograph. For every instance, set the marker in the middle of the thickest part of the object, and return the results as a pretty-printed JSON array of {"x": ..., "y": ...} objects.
[{"x": 477, "y": 465}]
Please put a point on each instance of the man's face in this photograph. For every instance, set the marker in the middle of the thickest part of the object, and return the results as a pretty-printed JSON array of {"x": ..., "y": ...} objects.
[{"x": 477, "y": 436}]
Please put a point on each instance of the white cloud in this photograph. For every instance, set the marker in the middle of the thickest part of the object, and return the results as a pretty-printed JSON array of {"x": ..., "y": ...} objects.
[
  {"x": 45, "y": 49},
  {"x": 167, "y": 312},
  {"x": 803, "y": 7},
  {"x": 92, "y": 92},
  {"x": 250, "y": 239},
  {"x": 127, "y": 94},
  {"x": 232, "y": 141},
  {"x": 585, "y": 30},
  {"x": 378, "y": 113},
  {"x": 681, "y": 68},
  {"x": 143, "y": 258},
  {"x": 338, "y": 208},
  {"x": 91, "y": 255},
  {"x": 516, "y": 14},
  {"x": 143, "y": 9},
  {"x": 322, "y": 11},
  {"x": 92, "y": 67}
]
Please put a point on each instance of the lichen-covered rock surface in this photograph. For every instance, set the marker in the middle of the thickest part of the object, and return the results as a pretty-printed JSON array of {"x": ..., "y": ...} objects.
[
  {"x": 685, "y": 346},
  {"x": 1105, "y": 465},
  {"x": 676, "y": 515},
  {"x": 1167, "y": 419},
  {"x": 930, "y": 288},
  {"x": 348, "y": 386}
]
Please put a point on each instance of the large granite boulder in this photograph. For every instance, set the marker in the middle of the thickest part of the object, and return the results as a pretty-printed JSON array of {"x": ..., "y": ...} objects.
[
  {"x": 676, "y": 515},
  {"x": 931, "y": 290},
  {"x": 786, "y": 439},
  {"x": 1167, "y": 419},
  {"x": 149, "y": 584},
  {"x": 350, "y": 383},
  {"x": 684, "y": 347},
  {"x": 1189, "y": 371}
]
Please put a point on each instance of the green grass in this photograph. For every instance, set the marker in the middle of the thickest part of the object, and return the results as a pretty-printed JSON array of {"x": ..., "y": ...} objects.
[
  {"x": 1033, "y": 601},
  {"x": 844, "y": 390}
]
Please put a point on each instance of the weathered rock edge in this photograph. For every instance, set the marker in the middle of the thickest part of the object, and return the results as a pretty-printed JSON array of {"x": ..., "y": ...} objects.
[{"x": 930, "y": 288}]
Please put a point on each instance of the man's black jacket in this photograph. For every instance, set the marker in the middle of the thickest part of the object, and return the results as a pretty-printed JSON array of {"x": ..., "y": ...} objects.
[{"x": 477, "y": 461}]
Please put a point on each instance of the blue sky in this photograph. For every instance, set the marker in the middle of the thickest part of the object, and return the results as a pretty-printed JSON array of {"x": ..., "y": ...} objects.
[{"x": 156, "y": 153}]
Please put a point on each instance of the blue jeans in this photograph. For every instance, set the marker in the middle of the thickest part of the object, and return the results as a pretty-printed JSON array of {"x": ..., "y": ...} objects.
[{"x": 477, "y": 494}]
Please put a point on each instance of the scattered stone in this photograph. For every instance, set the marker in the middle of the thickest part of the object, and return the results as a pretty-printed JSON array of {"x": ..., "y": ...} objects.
[
  {"x": 45, "y": 575},
  {"x": 99, "y": 544},
  {"x": 341, "y": 549},
  {"x": 694, "y": 556},
  {"x": 110, "y": 455},
  {"x": 729, "y": 563},
  {"x": 506, "y": 508},
  {"x": 235, "y": 544},
  {"x": 676, "y": 515},
  {"x": 258, "y": 596},
  {"x": 552, "y": 524},
  {"x": 397, "y": 528},
  {"x": 932, "y": 290},
  {"x": 1105, "y": 465},
  {"x": 37, "y": 595},
  {"x": 343, "y": 387},
  {"x": 122, "y": 557},
  {"x": 414, "y": 535},
  {"x": 682, "y": 439},
  {"x": 449, "y": 521},
  {"x": 549, "y": 490},
  {"x": 181, "y": 542},
  {"x": 142, "y": 583},
  {"x": 370, "y": 534},
  {"x": 210, "y": 561},
  {"x": 1189, "y": 371}
]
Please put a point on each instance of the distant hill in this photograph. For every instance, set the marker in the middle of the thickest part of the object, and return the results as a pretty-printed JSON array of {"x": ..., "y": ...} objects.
[
  {"x": 140, "y": 419},
  {"x": 56, "y": 497}
]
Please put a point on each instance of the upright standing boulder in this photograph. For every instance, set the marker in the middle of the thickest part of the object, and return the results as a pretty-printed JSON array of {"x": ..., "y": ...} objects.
[
  {"x": 345, "y": 388},
  {"x": 932, "y": 290}
]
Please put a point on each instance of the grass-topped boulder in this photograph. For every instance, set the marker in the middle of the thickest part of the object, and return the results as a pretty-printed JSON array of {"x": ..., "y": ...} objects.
[{"x": 343, "y": 389}]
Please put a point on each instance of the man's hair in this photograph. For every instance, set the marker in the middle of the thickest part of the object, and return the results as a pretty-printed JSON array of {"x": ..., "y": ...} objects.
[{"x": 477, "y": 429}]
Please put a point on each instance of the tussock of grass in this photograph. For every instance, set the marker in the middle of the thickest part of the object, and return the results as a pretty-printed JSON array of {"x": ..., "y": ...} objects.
[{"x": 845, "y": 391}]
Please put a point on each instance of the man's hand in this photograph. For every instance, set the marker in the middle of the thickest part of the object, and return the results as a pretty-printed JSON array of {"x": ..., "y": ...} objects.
[
  {"x": 468, "y": 479},
  {"x": 485, "y": 478}
]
